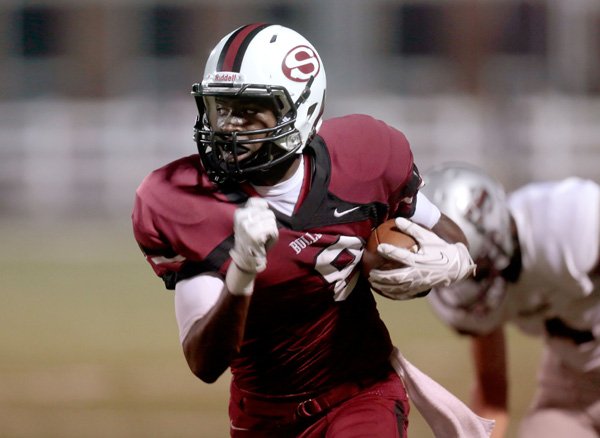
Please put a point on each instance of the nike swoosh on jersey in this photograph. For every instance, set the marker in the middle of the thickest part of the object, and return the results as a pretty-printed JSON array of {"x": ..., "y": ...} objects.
[
  {"x": 158, "y": 260},
  {"x": 338, "y": 213}
]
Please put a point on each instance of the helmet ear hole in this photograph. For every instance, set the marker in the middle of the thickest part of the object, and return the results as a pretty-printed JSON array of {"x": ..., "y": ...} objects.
[
  {"x": 305, "y": 93},
  {"x": 311, "y": 110}
]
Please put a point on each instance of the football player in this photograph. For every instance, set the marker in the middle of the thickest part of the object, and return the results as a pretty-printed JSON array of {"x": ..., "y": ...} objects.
[
  {"x": 261, "y": 234},
  {"x": 537, "y": 255}
]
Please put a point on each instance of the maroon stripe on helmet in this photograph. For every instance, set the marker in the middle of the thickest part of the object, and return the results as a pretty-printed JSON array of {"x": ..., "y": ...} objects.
[{"x": 235, "y": 47}]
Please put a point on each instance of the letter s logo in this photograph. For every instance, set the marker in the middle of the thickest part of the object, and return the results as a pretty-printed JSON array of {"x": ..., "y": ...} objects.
[{"x": 300, "y": 64}]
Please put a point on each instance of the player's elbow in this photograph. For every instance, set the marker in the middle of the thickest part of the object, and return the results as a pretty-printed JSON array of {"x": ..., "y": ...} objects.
[
  {"x": 205, "y": 376},
  {"x": 202, "y": 370},
  {"x": 202, "y": 366}
]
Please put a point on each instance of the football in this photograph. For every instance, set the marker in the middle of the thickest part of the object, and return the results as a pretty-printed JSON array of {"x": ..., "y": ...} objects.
[{"x": 387, "y": 232}]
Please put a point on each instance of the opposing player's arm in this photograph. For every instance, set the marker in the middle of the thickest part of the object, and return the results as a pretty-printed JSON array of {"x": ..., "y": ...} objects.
[
  {"x": 477, "y": 310},
  {"x": 489, "y": 397}
]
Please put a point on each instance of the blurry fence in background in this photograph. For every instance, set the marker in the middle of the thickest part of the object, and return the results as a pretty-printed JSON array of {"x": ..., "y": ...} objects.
[{"x": 63, "y": 160}]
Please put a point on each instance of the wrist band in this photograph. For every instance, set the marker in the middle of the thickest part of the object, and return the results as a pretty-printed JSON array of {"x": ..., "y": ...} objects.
[{"x": 238, "y": 282}]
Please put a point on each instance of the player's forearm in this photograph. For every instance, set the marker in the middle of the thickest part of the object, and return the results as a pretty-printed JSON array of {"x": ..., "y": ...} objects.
[
  {"x": 494, "y": 410},
  {"x": 449, "y": 231},
  {"x": 214, "y": 340},
  {"x": 490, "y": 390}
]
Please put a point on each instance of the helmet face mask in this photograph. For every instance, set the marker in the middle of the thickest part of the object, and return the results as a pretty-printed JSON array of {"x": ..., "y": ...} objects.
[
  {"x": 279, "y": 69},
  {"x": 477, "y": 203}
]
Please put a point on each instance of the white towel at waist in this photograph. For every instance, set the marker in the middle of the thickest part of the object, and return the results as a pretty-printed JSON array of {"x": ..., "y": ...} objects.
[{"x": 446, "y": 415}]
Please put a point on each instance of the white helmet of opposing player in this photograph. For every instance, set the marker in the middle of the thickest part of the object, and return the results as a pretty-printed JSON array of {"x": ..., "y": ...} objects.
[
  {"x": 477, "y": 203},
  {"x": 260, "y": 61}
]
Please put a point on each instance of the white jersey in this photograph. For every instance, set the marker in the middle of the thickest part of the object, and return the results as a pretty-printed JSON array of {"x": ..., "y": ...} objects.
[{"x": 555, "y": 296}]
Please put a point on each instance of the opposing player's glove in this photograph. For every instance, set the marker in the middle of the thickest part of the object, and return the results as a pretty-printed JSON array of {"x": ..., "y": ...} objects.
[
  {"x": 436, "y": 263},
  {"x": 255, "y": 231}
]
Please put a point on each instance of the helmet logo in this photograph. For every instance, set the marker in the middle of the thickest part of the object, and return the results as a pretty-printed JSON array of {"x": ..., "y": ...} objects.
[
  {"x": 300, "y": 64},
  {"x": 484, "y": 217},
  {"x": 480, "y": 207}
]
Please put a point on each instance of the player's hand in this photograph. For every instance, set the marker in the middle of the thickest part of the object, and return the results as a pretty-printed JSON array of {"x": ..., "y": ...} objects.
[
  {"x": 436, "y": 263},
  {"x": 255, "y": 231}
]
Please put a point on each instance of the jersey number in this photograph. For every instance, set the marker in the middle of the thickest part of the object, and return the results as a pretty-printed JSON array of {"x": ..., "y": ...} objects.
[{"x": 337, "y": 264}]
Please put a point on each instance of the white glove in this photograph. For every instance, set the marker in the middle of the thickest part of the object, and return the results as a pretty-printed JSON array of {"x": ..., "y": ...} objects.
[
  {"x": 255, "y": 231},
  {"x": 436, "y": 263}
]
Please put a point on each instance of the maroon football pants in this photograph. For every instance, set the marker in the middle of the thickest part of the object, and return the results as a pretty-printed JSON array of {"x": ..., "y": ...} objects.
[{"x": 348, "y": 411}]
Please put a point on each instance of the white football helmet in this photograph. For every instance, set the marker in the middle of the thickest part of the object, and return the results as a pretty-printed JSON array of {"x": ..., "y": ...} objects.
[
  {"x": 260, "y": 61},
  {"x": 477, "y": 203}
]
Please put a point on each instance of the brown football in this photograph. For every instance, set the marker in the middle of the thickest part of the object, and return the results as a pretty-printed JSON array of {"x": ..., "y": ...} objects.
[{"x": 387, "y": 232}]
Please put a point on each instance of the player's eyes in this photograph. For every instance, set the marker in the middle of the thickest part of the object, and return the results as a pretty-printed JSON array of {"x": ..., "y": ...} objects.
[{"x": 247, "y": 111}]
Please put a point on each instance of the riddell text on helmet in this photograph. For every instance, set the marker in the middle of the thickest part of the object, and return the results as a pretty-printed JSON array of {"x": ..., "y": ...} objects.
[{"x": 228, "y": 77}]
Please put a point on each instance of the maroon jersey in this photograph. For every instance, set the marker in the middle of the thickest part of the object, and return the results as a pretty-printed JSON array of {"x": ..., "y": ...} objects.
[{"x": 313, "y": 321}]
